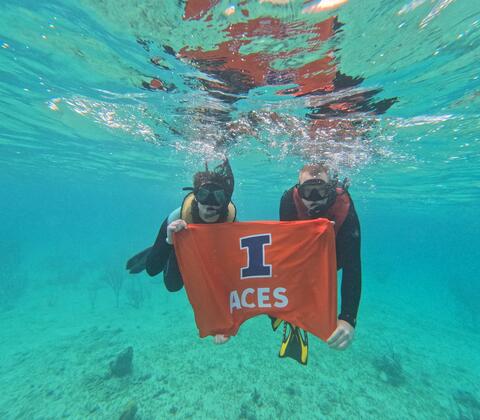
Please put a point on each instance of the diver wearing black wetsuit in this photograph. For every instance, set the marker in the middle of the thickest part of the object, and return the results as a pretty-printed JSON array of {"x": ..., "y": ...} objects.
[
  {"x": 162, "y": 255},
  {"x": 212, "y": 191},
  {"x": 348, "y": 253},
  {"x": 162, "y": 258}
]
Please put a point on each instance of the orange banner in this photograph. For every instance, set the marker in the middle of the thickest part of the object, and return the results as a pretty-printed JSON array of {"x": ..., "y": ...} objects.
[{"x": 235, "y": 271}]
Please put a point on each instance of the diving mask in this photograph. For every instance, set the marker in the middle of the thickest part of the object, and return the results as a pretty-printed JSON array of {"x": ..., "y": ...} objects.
[
  {"x": 315, "y": 189},
  {"x": 211, "y": 194}
]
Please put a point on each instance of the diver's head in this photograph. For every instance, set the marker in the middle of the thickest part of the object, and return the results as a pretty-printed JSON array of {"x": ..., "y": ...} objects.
[
  {"x": 317, "y": 188},
  {"x": 213, "y": 192},
  {"x": 211, "y": 199}
]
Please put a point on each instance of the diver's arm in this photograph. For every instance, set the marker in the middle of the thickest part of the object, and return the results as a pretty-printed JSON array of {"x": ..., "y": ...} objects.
[
  {"x": 288, "y": 211},
  {"x": 160, "y": 252},
  {"x": 348, "y": 243}
]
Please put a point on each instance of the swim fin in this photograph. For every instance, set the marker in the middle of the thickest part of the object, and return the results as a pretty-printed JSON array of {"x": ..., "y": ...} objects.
[
  {"x": 137, "y": 263},
  {"x": 294, "y": 343},
  {"x": 276, "y": 322}
]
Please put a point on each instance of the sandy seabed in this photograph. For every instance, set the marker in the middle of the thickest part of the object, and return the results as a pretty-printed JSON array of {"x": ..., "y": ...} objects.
[{"x": 56, "y": 349}]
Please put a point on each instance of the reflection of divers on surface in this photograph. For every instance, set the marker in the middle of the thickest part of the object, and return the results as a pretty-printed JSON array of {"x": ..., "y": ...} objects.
[
  {"x": 155, "y": 82},
  {"x": 231, "y": 74},
  {"x": 350, "y": 102},
  {"x": 332, "y": 100}
]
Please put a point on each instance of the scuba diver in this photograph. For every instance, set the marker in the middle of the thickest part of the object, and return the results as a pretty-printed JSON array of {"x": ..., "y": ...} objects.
[
  {"x": 320, "y": 194},
  {"x": 208, "y": 202}
]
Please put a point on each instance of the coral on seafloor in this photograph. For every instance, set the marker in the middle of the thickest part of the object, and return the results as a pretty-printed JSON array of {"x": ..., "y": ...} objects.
[
  {"x": 130, "y": 411},
  {"x": 390, "y": 369},
  {"x": 12, "y": 287},
  {"x": 135, "y": 294},
  {"x": 13, "y": 283},
  {"x": 123, "y": 363},
  {"x": 467, "y": 405},
  {"x": 114, "y": 279}
]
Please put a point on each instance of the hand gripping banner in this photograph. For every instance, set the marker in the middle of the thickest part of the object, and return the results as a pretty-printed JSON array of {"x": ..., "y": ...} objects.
[{"x": 235, "y": 271}]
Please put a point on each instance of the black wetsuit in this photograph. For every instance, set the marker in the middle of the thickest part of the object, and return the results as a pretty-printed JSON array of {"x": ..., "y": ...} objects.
[
  {"x": 162, "y": 258},
  {"x": 348, "y": 255},
  {"x": 162, "y": 255}
]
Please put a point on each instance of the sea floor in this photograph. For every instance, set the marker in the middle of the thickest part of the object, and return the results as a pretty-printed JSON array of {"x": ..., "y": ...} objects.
[{"x": 57, "y": 344}]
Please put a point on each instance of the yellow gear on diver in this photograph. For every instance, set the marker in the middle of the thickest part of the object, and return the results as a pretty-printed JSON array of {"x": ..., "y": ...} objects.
[{"x": 187, "y": 205}]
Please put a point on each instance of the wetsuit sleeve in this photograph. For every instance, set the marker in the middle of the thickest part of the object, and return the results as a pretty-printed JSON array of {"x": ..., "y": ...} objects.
[
  {"x": 287, "y": 207},
  {"x": 158, "y": 257},
  {"x": 348, "y": 258}
]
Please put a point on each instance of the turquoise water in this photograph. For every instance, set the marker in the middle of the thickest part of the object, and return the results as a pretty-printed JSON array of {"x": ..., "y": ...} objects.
[{"x": 93, "y": 156}]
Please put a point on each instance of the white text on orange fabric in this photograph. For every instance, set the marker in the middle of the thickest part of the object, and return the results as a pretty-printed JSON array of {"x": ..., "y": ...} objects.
[{"x": 262, "y": 297}]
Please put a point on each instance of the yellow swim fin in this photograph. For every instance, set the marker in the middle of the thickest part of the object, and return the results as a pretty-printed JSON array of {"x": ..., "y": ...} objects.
[
  {"x": 294, "y": 343},
  {"x": 276, "y": 322}
]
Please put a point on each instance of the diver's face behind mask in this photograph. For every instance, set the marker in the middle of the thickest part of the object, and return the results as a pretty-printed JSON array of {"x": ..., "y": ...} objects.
[
  {"x": 212, "y": 199},
  {"x": 316, "y": 193},
  {"x": 212, "y": 194},
  {"x": 314, "y": 190},
  {"x": 209, "y": 213}
]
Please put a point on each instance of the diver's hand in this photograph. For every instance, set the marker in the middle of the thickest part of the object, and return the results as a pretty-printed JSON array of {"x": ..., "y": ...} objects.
[
  {"x": 342, "y": 337},
  {"x": 175, "y": 226},
  {"x": 220, "y": 339}
]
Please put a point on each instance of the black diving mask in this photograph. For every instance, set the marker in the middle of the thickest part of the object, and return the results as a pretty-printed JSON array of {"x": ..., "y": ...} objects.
[
  {"x": 315, "y": 190},
  {"x": 211, "y": 194}
]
